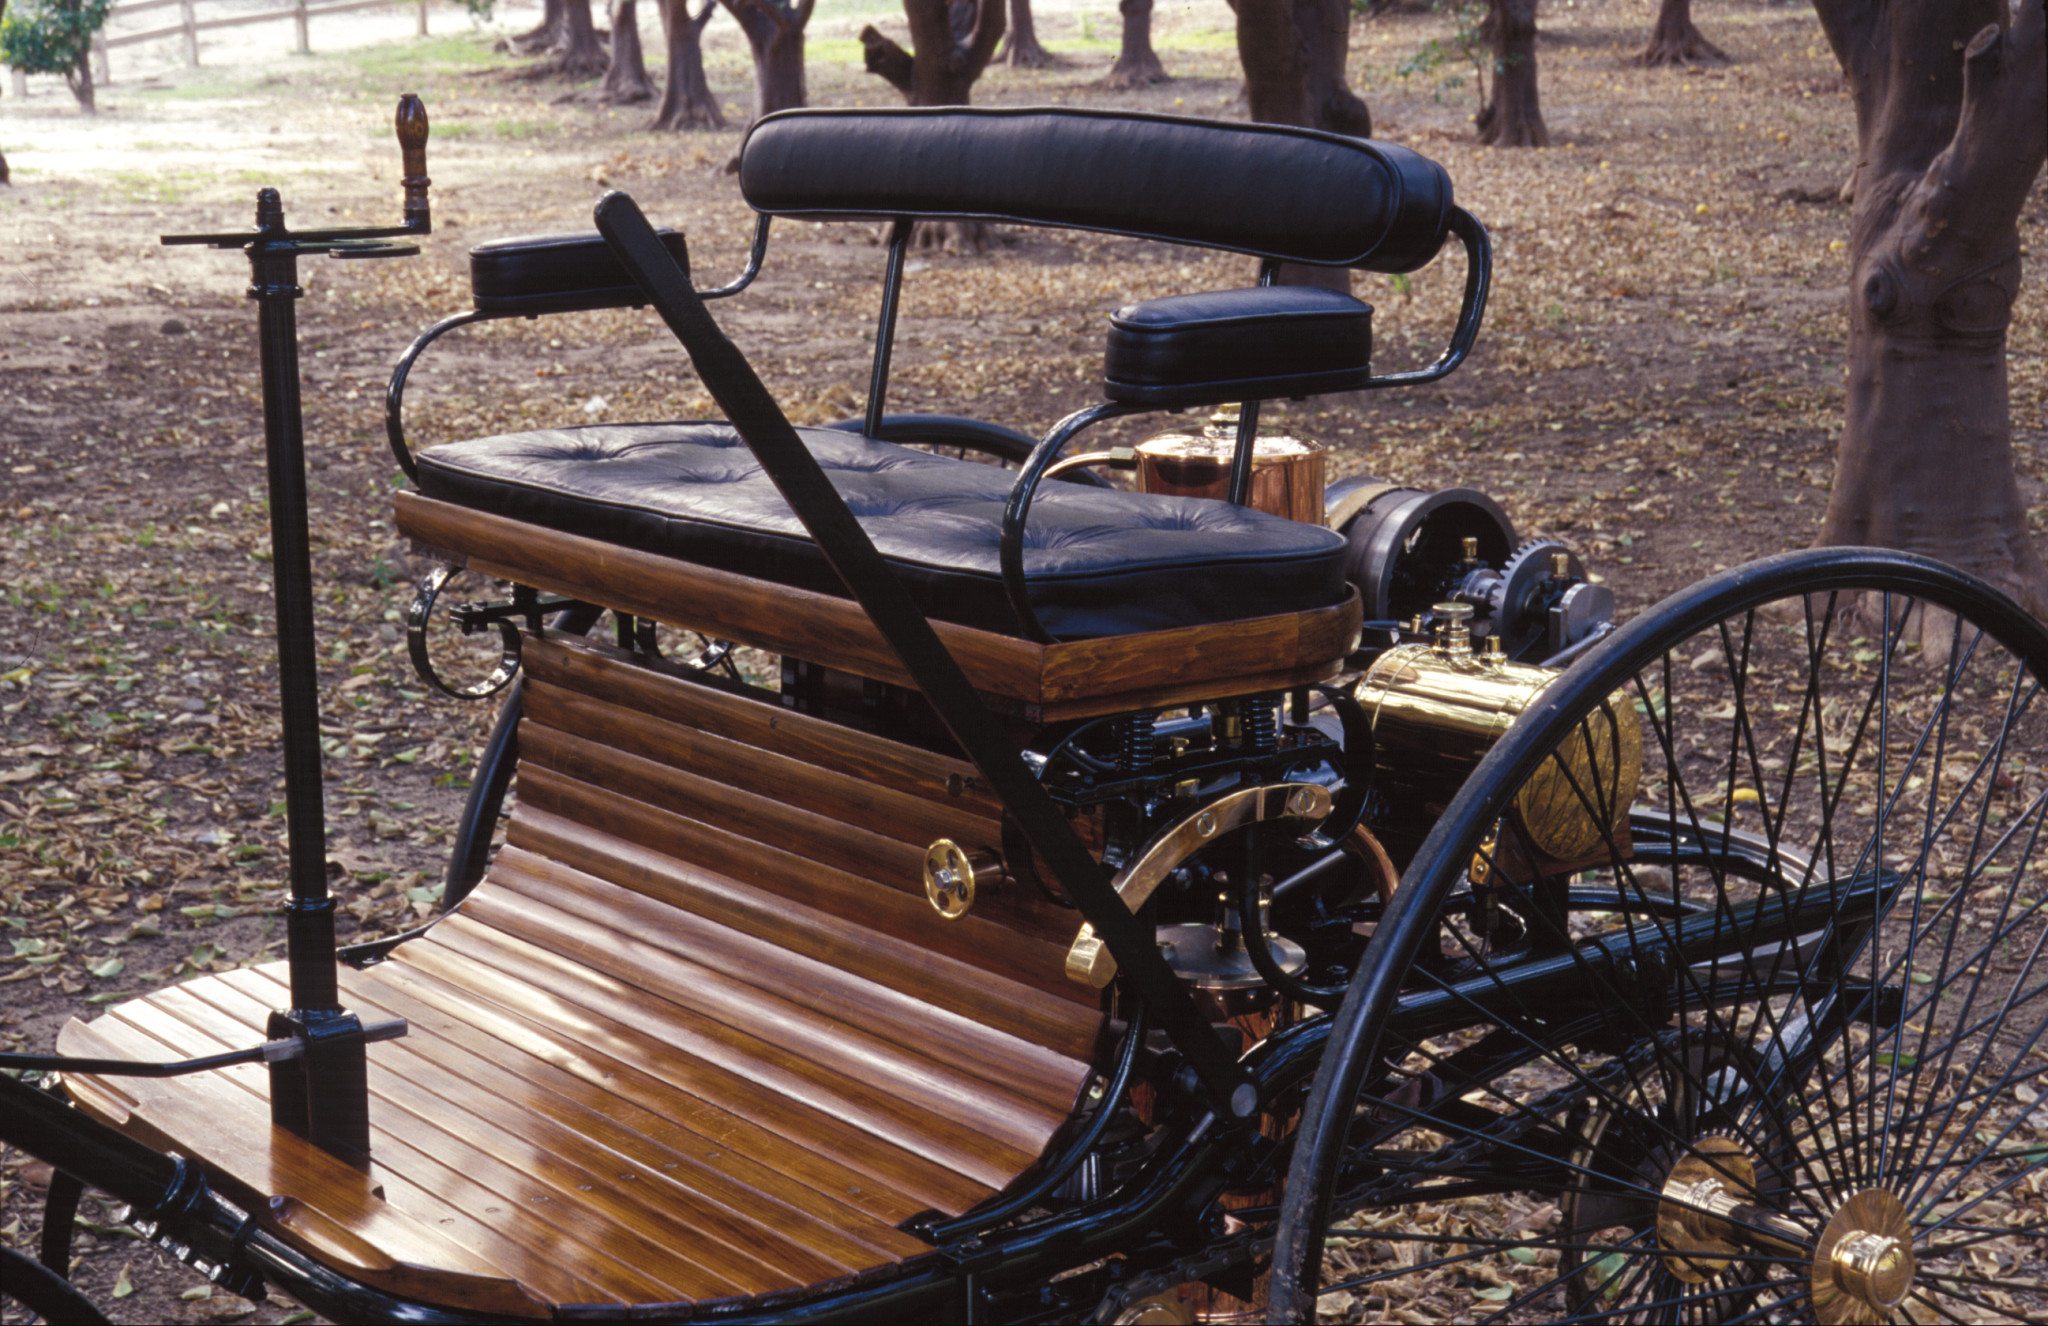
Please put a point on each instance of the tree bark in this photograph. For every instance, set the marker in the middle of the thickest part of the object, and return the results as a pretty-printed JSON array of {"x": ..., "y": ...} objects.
[
  {"x": 1022, "y": 49},
  {"x": 537, "y": 39},
  {"x": 951, "y": 43},
  {"x": 1512, "y": 116},
  {"x": 625, "y": 79},
  {"x": 775, "y": 35},
  {"x": 686, "y": 99},
  {"x": 1951, "y": 104},
  {"x": 1294, "y": 53},
  {"x": 1137, "y": 64},
  {"x": 1676, "y": 41},
  {"x": 574, "y": 51},
  {"x": 80, "y": 81}
]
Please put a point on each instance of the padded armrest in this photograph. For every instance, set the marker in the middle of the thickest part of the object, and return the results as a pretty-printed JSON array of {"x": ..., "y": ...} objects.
[
  {"x": 537, "y": 274},
  {"x": 1237, "y": 345}
]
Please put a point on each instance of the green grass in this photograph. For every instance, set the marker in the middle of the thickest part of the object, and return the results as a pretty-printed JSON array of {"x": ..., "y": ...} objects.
[
  {"x": 204, "y": 84},
  {"x": 411, "y": 57}
]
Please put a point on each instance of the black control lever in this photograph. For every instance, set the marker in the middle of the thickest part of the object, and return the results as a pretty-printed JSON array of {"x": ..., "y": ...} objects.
[{"x": 320, "y": 1088}]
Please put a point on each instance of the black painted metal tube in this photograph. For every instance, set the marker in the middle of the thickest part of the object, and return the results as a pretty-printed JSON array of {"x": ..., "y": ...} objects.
[
  {"x": 309, "y": 925},
  {"x": 885, "y": 327},
  {"x": 45, "y": 1127},
  {"x": 1054, "y": 1174}
]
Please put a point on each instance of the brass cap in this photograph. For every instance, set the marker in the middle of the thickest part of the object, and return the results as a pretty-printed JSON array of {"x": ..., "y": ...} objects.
[{"x": 954, "y": 876}]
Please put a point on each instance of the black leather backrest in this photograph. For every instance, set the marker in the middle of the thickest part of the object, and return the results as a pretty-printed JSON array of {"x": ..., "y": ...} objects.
[{"x": 1263, "y": 189}]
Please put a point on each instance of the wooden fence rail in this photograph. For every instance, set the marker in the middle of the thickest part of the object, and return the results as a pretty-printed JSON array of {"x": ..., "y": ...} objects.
[{"x": 189, "y": 25}]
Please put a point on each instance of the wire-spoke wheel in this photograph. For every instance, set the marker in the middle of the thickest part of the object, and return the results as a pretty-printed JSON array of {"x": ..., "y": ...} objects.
[{"x": 1770, "y": 1043}]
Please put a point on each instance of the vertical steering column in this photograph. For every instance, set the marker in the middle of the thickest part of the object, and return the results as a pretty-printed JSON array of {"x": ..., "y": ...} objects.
[
  {"x": 322, "y": 1092},
  {"x": 322, "y": 1095}
]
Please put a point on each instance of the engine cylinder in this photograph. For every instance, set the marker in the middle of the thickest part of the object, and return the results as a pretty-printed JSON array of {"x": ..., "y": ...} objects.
[{"x": 1435, "y": 713}]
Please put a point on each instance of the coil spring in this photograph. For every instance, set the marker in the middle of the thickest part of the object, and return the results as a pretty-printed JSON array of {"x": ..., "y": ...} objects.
[
  {"x": 1138, "y": 742},
  {"x": 1262, "y": 724}
]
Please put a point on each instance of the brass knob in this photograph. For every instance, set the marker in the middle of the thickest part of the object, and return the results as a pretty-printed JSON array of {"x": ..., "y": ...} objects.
[{"x": 953, "y": 876}]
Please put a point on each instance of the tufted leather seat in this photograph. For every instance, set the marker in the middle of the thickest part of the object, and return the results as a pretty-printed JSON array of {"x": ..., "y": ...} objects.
[{"x": 1099, "y": 562}]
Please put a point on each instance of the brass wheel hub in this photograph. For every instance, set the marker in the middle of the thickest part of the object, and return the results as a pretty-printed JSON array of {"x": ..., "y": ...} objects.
[
  {"x": 1860, "y": 1269},
  {"x": 1863, "y": 1265}
]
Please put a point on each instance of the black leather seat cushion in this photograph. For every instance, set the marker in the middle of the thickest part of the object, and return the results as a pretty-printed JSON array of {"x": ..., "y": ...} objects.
[
  {"x": 1273, "y": 190},
  {"x": 1099, "y": 562},
  {"x": 1237, "y": 345},
  {"x": 536, "y": 274}
]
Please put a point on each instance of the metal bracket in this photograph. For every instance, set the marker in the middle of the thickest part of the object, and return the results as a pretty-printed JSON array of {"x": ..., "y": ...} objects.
[{"x": 526, "y": 606}]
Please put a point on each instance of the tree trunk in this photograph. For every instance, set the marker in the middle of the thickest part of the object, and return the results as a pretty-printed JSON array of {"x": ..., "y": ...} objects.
[
  {"x": 1137, "y": 64},
  {"x": 575, "y": 51},
  {"x": 775, "y": 35},
  {"x": 1325, "y": 27},
  {"x": 1676, "y": 41},
  {"x": 80, "y": 80},
  {"x": 538, "y": 39},
  {"x": 582, "y": 54},
  {"x": 1950, "y": 144},
  {"x": 951, "y": 44},
  {"x": 1022, "y": 49},
  {"x": 1294, "y": 53},
  {"x": 625, "y": 79},
  {"x": 686, "y": 99},
  {"x": 1511, "y": 116}
]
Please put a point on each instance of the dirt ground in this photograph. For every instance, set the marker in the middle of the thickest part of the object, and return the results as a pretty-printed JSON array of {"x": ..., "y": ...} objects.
[{"x": 1659, "y": 383}]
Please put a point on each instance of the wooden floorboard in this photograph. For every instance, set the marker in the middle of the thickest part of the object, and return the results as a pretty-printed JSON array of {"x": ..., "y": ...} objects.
[
  {"x": 527, "y": 972},
  {"x": 867, "y": 1173},
  {"x": 780, "y": 1197},
  {"x": 665, "y": 1187},
  {"x": 586, "y": 1225},
  {"x": 217, "y": 1114},
  {"x": 748, "y": 981}
]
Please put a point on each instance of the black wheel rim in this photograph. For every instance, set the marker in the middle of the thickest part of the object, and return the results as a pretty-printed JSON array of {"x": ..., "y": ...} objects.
[{"x": 1783, "y": 1060}]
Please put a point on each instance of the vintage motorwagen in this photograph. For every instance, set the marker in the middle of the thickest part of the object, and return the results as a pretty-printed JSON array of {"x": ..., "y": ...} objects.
[{"x": 1190, "y": 895}]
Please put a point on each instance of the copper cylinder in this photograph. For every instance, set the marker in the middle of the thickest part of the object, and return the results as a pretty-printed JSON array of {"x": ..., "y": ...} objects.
[{"x": 1288, "y": 473}]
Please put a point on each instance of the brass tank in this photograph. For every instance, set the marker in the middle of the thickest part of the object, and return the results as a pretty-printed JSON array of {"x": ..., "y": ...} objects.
[
  {"x": 1288, "y": 473},
  {"x": 1436, "y": 709}
]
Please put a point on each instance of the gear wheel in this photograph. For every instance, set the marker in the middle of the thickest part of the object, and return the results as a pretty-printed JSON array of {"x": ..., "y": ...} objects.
[{"x": 1516, "y": 603}]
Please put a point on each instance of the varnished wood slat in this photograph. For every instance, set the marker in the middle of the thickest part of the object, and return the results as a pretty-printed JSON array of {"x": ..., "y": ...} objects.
[
  {"x": 317, "y": 1203},
  {"x": 596, "y": 670},
  {"x": 868, "y": 1172},
  {"x": 838, "y": 1040},
  {"x": 821, "y": 1193},
  {"x": 745, "y": 981},
  {"x": 608, "y": 747},
  {"x": 637, "y": 847},
  {"x": 1201, "y": 657},
  {"x": 405, "y": 1241},
  {"x": 837, "y": 844},
  {"x": 589, "y": 1210},
  {"x": 908, "y": 819},
  {"x": 724, "y": 1218},
  {"x": 721, "y": 603},
  {"x": 1049, "y": 682},
  {"x": 457, "y": 943},
  {"x": 905, "y": 942}
]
